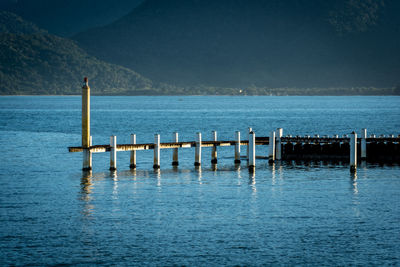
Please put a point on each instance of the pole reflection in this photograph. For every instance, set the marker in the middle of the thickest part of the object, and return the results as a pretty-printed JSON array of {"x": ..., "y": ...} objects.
[
  {"x": 239, "y": 173},
  {"x": 199, "y": 174},
  {"x": 252, "y": 181},
  {"x": 273, "y": 173},
  {"x": 214, "y": 167},
  {"x": 86, "y": 191},
  {"x": 114, "y": 176},
  {"x": 157, "y": 173},
  {"x": 353, "y": 181}
]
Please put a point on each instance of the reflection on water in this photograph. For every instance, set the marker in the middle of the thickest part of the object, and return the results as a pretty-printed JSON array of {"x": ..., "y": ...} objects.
[
  {"x": 85, "y": 193},
  {"x": 114, "y": 177},
  {"x": 157, "y": 173},
  {"x": 199, "y": 174},
  {"x": 353, "y": 179},
  {"x": 214, "y": 167}
]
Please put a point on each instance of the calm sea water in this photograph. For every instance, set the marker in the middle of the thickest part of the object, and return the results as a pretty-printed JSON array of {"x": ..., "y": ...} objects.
[{"x": 285, "y": 214}]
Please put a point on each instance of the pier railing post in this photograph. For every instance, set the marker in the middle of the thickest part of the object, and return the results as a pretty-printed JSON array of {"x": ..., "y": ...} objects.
[
  {"x": 353, "y": 152},
  {"x": 113, "y": 153},
  {"x": 214, "y": 159},
  {"x": 252, "y": 151},
  {"x": 133, "y": 153},
  {"x": 271, "y": 147},
  {"x": 363, "y": 144},
  {"x": 197, "y": 158},
  {"x": 175, "y": 161},
  {"x": 156, "y": 164},
  {"x": 279, "y": 132},
  {"x": 237, "y": 147},
  {"x": 87, "y": 155},
  {"x": 248, "y": 138}
]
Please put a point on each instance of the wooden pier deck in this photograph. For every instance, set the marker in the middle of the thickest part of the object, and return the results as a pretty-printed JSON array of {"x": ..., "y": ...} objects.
[{"x": 348, "y": 147}]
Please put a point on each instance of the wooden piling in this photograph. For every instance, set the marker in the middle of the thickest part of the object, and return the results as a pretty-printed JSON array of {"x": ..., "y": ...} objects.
[
  {"x": 175, "y": 161},
  {"x": 252, "y": 151},
  {"x": 85, "y": 114},
  {"x": 214, "y": 159},
  {"x": 133, "y": 153},
  {"x": 278, "y": 147},
  {"x": 248, "y": 138},
  {"x": 363, "y": 144},
  {"x": 237, "y": 147},
  {"x": 197, "y": 158},
  {"x": 353, "y": 152},
  {"x": 271, "y": 147},
  {"x": 156, "y": 164},
  {"x": 113, "y": 153},
  {"x": 87, "y": 155}
]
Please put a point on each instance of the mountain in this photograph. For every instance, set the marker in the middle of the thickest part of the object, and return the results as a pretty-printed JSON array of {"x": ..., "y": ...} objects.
[
  {"x": 239, "y": 43},
  {"x": 68, "y": 17},
  {"x": 35, "y": 62},
  {"x": 11, "y": 23}
]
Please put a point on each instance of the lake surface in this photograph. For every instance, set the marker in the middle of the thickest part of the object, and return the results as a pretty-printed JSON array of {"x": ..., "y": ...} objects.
[{"x": 285, "y": 214}]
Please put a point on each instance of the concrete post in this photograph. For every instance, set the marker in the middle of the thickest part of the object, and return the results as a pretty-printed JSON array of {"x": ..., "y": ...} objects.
[
  {"x": 133, "y": 153},
  {"x": 237, "y": 147},
  {"x": 248, "y": 138},
  {"x": 197, "y": 159},
  {"x": 214, "y": 159},
  {"x": 156, "y": 164},
  {"x": 279, "y": 132},
  {"x": 175, "y": 161},
  {"x": 271, "y": 147},
  {"x": 87, "y": 157},
  {"x": 363, "y": 144},
  {"x": 353, "y": 152},
  {"x": 252, "y": 151},
  {"x": 113, "y": 153}
]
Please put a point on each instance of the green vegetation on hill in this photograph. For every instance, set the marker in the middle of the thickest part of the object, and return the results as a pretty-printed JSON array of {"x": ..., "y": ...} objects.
[
  {"x": 11, "y": 23},
  {"x": 34, "y": 62}
]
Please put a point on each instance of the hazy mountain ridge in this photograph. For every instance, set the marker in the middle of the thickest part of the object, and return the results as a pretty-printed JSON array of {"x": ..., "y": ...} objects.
[
  {"x": 68, "y": 17},
  {"x": 234, "y": 43},
  {"x": 11, "y": 23},
  {"x": 35, "y": 62}
]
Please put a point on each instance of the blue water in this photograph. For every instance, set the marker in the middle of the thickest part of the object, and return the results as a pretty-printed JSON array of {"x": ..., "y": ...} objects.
[{"x": 285, "y": 214}]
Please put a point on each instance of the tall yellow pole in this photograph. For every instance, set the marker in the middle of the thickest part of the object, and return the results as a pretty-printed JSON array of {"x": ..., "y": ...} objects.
[
  {"x": 85, "y": 114},
  {"x": 87, "y": 157}
]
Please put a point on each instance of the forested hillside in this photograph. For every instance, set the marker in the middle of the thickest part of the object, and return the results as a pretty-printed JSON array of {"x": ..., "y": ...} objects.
[
  {"x": 35, "y": 62},
  {"x": 275, "y": 43}
]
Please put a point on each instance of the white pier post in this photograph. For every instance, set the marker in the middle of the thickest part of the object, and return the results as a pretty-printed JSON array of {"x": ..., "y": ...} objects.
[
  {"x": 248, "y": 138},
  {"x": 113, "y": 153},
  {"x": 279, "y": 132},
  {"x": 87, "y": 157},
  {"x": 271, "y": 147},
  {"x": 237, "y": 147},
  {"x": 156, "y": 164},
  {"x": 214, "y": 159},
  {"x": 175, "y": 161},
  {"x": 363, "y": 144},
  {"x": 353, "y": 152},
  {"x": 133, "y": 153},
  {"x": 197, "y": 158},
  {"x": 252, "y": 151}
]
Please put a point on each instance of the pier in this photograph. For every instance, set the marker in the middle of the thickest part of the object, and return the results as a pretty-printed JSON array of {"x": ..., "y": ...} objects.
[{"x": 351, "y": 148}]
